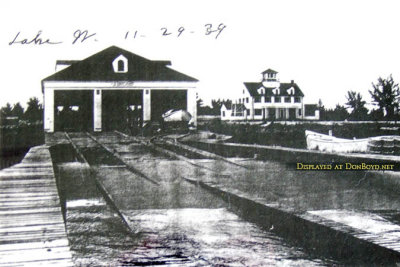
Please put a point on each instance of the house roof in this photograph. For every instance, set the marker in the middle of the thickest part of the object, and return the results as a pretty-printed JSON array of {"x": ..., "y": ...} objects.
[
  {"x": 269, "y": 71},
  {"x": 234, "y": 106},
  {"x": 238, "y": 107},
  {"x": 253, "y": 89},
  {"x": 228, "y": 105},
  {"x": 98, "y": 67}
]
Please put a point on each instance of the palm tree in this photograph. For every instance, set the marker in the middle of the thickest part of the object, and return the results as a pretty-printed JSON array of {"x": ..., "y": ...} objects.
[
  {"x": 385, "y": 95},
  {"x": 354, "y": 101}
]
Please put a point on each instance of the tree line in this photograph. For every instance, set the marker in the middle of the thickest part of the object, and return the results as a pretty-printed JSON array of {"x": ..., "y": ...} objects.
[
  {"x": 19, "y": 130},
  {"x": 385, "y": 96},
  {"x": 214, "y": 109},
  {"x": 11, "y": 114}
]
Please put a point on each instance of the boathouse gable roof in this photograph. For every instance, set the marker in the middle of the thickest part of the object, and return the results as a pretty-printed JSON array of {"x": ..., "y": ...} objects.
[{"x": 99, "y": 67}]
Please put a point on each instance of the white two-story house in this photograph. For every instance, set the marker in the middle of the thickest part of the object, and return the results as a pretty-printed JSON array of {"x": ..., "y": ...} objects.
[{"x": 267, "y": 100}]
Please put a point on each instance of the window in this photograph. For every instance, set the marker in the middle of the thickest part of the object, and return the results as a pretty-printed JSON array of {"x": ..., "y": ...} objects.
[
  {"x": 299, "y": 111},
  {"x": 287, "y": 99},
  {"x": 277, "y": 99},
  {"x": 247, "y": 100},
  {"x": 267, "y": 99},
  {"x": 248, "y": 112},
  {"x": 257, "y": 99},
  {"x": 258, "y": 112},
  {"x": 297, "y": 99},
  {"x": 223, "y": 113},
  {"x": 120, "y": 65}
]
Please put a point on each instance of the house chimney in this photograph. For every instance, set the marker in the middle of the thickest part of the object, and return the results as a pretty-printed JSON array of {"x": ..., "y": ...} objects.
[{"x": 292, "y": 81}]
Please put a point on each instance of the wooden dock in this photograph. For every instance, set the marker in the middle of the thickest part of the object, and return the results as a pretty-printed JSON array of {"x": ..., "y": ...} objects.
[{"x": 32, "y": 229}]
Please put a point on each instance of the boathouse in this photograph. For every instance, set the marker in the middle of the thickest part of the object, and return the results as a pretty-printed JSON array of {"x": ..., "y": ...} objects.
[{"x": 110, "y": 89}]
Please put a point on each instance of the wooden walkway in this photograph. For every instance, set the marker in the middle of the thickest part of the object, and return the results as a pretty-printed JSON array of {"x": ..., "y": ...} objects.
[{"x": 32, "y": 229}]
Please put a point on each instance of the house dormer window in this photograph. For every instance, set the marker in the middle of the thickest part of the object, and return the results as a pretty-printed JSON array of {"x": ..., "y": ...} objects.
[
  {"x": 120, "y": 64},
  {"x": 276, "y": 91},
  {"x": 290, "y": 91}
]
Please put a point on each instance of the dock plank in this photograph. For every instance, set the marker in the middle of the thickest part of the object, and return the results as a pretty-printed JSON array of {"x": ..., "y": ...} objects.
[
  {"x": 38, "y": 254},
  {"x": 34, "y": 245},
  {"x": 17, "y": 190},
  {"x": 43, "y": 210},
  {"x": 31, "y": 228},
  {"x": 17, "y": 198},
  {"x": 22, "y": 195},
  {"x": 26, "y": 220}
]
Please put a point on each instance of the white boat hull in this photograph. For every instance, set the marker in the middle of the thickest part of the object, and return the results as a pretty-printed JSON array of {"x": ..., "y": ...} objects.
[
  {"x": 322, "y": 142},
  {"x": 176, "y": 115}
]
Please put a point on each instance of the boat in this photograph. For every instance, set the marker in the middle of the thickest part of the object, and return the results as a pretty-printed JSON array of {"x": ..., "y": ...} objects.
[
  {"x": 176, "y": 115},
  {"x": 388, "y": 144},
  {"x": 328, "y": 143}
]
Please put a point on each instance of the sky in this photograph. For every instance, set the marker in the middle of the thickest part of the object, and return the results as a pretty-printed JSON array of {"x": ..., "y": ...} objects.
[{"x": 326, "y": 47}]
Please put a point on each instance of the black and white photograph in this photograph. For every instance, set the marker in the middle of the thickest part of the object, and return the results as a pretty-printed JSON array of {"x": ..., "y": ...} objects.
[{"x": 199, "y": 133}]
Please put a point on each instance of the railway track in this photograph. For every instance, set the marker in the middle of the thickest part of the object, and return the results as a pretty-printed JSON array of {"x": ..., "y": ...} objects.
[{"x": 109, "y": 150}]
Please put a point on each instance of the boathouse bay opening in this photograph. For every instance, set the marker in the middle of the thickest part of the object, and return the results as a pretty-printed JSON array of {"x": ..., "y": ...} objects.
[
  {"x": 162, "y": 101},
  {"x": 114, "y": 90},
  {"x": 73, "y": 110},
  {"x": 121, "y": 109}
]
